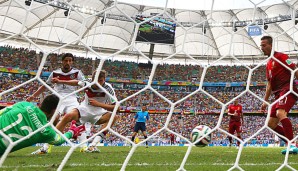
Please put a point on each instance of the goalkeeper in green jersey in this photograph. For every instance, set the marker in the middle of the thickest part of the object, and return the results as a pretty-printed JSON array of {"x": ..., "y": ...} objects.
[{"x": 22, "y": 118}]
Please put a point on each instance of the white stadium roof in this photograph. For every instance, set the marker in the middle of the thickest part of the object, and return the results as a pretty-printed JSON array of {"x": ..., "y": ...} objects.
[{"x": 45, "y": 24}]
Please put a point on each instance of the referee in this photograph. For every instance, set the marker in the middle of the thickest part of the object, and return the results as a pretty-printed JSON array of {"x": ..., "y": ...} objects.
[{"x": 141, "y": 117}]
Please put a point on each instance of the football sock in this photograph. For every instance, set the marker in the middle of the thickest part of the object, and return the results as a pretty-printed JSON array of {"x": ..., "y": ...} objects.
[
  {"x": 88, "y": 128},
  {"x": 287, "y": 126},
  {"x": 147, "y": 140},
  {"x": 96, "y": 140},
  {"x": 230, "y": 140},
  {"x": 280, "y": 130},
  {"x": 238, "y": 142},
  {"x": 45, "y": 146},
  {"x": 82, "y": 138}
]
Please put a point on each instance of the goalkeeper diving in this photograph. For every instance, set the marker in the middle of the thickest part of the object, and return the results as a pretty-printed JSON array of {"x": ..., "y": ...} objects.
[{"x": 22, "y": 118}]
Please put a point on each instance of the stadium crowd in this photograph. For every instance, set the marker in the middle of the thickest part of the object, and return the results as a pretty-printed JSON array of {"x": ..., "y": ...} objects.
[
  {"x": 26, "y": 59},
  {"x": 181, "y": 123}
]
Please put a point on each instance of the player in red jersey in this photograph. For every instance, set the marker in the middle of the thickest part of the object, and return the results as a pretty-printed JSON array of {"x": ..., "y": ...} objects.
[
  {"x": 236, "y": 120},
  {"x": 172, "y": 139},
  {"x": 279, "y": 81}
]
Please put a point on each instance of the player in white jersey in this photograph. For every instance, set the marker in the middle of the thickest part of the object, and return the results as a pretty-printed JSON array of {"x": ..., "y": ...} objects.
[
  {"x": 66, "y": 72},
  {"x": 96, "y": 107}
]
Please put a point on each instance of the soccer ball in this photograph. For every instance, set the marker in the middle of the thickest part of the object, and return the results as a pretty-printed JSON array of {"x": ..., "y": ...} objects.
[{"x": 198, "y": 132}]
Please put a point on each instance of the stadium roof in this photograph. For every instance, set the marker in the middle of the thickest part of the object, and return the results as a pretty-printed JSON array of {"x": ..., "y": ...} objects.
[{"x": 207, "y": 28}]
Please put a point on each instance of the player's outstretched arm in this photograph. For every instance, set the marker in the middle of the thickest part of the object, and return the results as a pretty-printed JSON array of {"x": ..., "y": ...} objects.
[
  {"x": 109, "y": 107},
  {"x": 67, "y": 82},
  {"x": 230, "y": 113},
  {"x": 40, "y": 90}
]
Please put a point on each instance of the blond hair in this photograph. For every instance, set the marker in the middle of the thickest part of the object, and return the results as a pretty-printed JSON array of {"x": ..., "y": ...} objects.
[{"x": 102, "y": 74}]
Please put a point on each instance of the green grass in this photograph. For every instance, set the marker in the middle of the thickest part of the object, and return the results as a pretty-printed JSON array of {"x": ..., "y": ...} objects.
[{"x": 150, "y": 159}]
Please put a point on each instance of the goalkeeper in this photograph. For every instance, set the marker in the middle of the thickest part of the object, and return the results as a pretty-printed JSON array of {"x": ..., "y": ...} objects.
[{"x": 22, "y": 118}]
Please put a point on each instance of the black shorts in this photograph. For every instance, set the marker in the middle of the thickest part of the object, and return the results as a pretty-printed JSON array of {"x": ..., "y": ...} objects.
[{"x": 140, "y": 126}]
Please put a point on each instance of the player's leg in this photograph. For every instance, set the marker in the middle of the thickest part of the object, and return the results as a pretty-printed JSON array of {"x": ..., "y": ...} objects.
[
  {"x": 69, "y": 109},
  {"x": 283, "y": 107},
  {"x": 276, "y": 141},
  {"x": 104, "y": 120},
  {"x": 273, "y": 122},
  {"x": 238, "y": 131},
  {"x": 145, "y": 136},
  {"x": 143, "y": 129},
  {"x": 73, "y": 115},
  {"x": 135, "y": 131},
  {"x": 133, "y": 136},
  {"x": 231, "y": 131},
  {"x": 64, "y": 109},
  {"x": 288, "y": 130},
  {"x": 83, "y": 137}
]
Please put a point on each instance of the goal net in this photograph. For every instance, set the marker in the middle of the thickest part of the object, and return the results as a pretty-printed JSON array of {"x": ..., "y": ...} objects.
[{"x": 187, "y": 65}]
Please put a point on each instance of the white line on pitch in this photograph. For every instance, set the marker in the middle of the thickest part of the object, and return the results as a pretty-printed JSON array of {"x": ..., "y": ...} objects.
[{"x": 149, "y": 164}]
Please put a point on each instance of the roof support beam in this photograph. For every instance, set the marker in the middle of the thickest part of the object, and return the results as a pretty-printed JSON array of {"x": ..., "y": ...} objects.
[
  {"x": 249, "y": 37},
  {"x": 91, "y": 25},
  {"x": 41, "y": 20},
  {"x": 285, "y": 33},
  {"x": 211, "y": 34}
]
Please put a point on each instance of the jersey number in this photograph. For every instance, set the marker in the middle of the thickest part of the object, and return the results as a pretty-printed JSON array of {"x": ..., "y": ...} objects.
[{"x": 13, "y": 135}]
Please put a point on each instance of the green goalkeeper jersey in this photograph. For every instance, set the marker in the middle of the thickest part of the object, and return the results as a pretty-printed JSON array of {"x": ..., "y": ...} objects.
[{"x": 21, "y": 119}]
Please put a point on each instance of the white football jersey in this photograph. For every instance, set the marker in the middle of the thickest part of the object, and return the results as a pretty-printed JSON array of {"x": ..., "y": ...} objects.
[
  {"x": 63, "y": 89},
  {"x": 98, "y": 95}
]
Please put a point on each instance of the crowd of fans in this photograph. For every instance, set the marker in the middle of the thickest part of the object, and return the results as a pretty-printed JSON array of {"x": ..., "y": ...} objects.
[
  {"x": 24, "y": 58},
  {"x": 205, "y": 104},
  {"x": 199, "y": 102}
]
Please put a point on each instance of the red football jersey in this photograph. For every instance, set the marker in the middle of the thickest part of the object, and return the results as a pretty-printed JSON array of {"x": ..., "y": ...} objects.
[
  {"x": 235, "y": 108},
  {"x": 277, "y": 74}
]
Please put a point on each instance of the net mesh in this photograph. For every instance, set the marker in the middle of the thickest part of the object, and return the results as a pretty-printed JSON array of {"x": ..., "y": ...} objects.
[{"x": 84, "y": 42}]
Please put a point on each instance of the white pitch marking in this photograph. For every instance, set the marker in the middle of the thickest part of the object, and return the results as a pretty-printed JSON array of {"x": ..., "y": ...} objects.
[{"x": 147, "y": 164}]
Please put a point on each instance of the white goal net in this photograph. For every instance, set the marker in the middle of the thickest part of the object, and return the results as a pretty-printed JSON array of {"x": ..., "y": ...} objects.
[{"x": 107, "y": 35}]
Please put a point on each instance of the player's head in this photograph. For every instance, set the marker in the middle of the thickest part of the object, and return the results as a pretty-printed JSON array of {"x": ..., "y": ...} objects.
[
  {"x": 266, "y": 45},
  {"x": 67, "y": 61},
  {"x": 144, "y": 107},
  {"x": 101, "y": 78},
  {"x": 49, "y": 105},
  {"x": 236, "y": 102}
]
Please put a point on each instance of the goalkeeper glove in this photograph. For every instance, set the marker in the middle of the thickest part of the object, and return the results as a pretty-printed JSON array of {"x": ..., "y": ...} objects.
[{"x": 76, "y": 130}]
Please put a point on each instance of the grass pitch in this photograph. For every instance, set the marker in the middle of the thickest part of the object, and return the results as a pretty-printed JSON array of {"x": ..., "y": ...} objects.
[{"x": 150, "y": 159}]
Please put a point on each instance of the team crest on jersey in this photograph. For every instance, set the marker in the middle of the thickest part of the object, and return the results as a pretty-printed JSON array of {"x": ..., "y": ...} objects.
[
  {"x": 288, "y": 61},
  {"x": 72, "y": 76}
]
